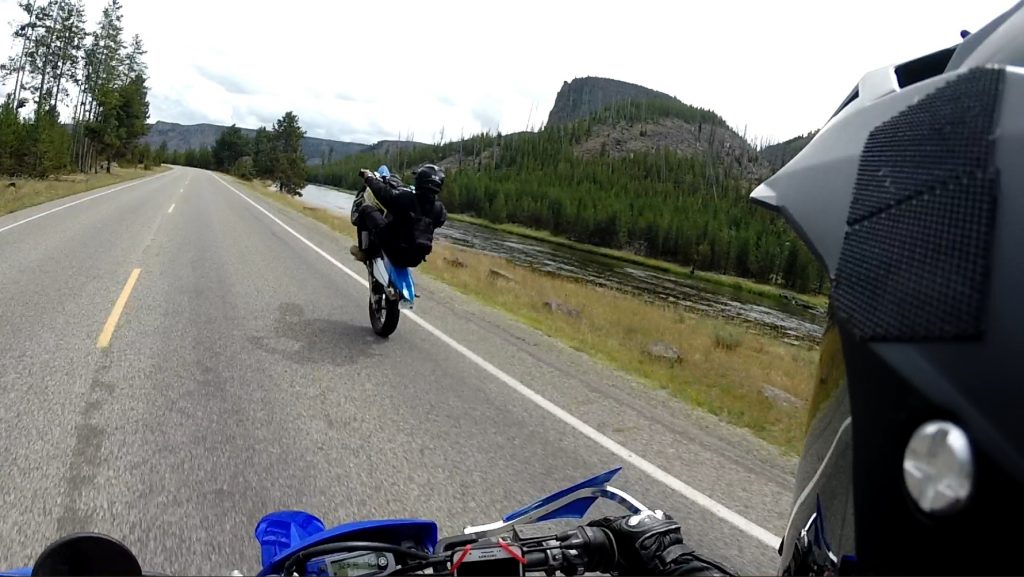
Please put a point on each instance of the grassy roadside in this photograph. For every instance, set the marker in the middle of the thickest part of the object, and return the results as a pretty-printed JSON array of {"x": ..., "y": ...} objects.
[
  {"x": 30, "y": 192},
  {"x": 751, "y": 380},
  {"x": 749, "y": 286}
]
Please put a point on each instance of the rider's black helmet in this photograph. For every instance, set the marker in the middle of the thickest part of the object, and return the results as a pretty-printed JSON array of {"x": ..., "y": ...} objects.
[
  {"x": 912, "y": 197},
  {"x": 430, "y": 178}
]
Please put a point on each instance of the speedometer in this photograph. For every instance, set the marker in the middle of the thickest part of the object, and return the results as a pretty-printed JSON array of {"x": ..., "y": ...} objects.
[{"x": 351, "y": 564}]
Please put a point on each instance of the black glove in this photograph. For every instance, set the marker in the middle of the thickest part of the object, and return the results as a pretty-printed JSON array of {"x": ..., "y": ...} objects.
[{"x": 652, "y": 544}]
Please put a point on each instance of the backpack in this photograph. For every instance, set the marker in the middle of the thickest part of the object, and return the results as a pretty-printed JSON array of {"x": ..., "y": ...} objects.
[{"x": 410, "y": 249}]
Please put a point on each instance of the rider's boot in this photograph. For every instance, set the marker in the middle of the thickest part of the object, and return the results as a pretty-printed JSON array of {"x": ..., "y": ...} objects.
[{"x": 358, "y": 253}]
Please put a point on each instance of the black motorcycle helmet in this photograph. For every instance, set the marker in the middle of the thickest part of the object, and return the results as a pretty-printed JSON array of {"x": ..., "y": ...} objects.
[
  {"x": 430, "y": 178},
  {"x": 912, "y": 197}
]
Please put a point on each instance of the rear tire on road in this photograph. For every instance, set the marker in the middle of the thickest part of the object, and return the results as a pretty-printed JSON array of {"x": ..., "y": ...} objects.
[{"x": 384, "y": 313}]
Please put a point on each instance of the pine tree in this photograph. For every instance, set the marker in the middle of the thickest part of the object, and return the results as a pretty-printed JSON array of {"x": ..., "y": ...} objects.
[
  {"x": 288, "y": 160},
  {"x": 133, "y": 112},
  {"x": 16, "y": 63},
  {"x": 263, "y": 153},
  {"x": 229, "y": 147},
  {"x": 134, "y": 65},
  {"x": 56, "y": 58}
]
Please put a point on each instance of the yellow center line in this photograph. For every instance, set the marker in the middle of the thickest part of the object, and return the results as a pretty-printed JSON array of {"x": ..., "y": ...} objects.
[
  {"x": 169, "y": 210},
  {"x": 108, "y": 329}
]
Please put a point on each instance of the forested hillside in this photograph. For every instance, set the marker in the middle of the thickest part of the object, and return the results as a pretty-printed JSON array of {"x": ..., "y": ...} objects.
[
  {"x": 779, "y": 154},
  {"x": 686, "y": 205},
  {"x": 181, "y": 137}
]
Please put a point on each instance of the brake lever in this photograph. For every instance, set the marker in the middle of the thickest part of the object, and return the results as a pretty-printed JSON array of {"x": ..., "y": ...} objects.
[{"x": 623, "y": 498}]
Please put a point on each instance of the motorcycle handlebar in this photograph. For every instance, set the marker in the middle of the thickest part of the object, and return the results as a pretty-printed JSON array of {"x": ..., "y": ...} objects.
[
  {"x": 591, "y": 549},
  {"x": 596, "y": 547},
  {"x": 584, "y": 549}
]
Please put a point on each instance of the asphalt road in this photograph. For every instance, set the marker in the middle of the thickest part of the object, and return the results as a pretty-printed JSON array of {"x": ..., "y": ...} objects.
[{"x": 241, "y": 376}]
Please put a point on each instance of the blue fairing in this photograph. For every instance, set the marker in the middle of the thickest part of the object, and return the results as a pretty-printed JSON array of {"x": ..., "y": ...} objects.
[
  {"x": 20, "y": 572},
  {"x": 402, "y": 279},
  {"x": 573, "y": 510},
  {"x": 276, "y": 530}
]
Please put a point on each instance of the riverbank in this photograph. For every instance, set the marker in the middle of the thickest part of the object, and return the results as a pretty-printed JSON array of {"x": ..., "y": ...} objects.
[
  {"x": 787, "y": 319},
  {"x": 816, "y": 301},
  {"x": 812, "y": 302},
  {"x": 26, "y": 193},
  {"x": 745, "y": 378}
]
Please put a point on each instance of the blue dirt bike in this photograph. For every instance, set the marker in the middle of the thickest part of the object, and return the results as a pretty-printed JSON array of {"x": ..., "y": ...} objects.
[
  {"x": 391, "y": 287},
  {"x": 298, "y": 543}
]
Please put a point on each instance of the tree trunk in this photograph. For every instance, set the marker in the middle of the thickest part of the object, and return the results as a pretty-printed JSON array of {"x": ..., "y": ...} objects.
[
  {"x": 20, "y": 76},
  {"x": 59, "y": 80},
  {"x": 77, "y": 121},
  {"x": 51, "y": 46},
  {"x": 88, "y": 147},
  {"x": 62, "y": 60}
]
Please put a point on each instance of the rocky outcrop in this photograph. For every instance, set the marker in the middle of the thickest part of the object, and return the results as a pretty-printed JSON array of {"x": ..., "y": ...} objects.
[{"x": 585, "y": 96}]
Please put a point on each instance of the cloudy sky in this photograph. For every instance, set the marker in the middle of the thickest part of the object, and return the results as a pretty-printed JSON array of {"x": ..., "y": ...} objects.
[{"x": 363, "y": 70}]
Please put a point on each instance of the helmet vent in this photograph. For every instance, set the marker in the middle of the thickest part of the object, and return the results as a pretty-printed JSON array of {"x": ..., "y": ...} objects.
[
  {"x": 938, "y": 467},
  {"x": 915, "y": 259}
]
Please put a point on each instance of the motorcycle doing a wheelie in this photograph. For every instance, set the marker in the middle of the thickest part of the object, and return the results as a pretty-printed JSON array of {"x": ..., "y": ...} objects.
[{"x": 392, "y": 288}]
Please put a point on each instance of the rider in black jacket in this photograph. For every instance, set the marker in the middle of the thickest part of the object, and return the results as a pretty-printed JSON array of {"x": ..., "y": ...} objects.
[{"x": 387, "y": 215}]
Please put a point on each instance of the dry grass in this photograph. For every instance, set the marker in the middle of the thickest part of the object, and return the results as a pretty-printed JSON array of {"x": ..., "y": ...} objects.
[
  {"x": 30, "y": 192},
  {"x": 722, "y": 367},
  {"x": 728, "y": 338}
]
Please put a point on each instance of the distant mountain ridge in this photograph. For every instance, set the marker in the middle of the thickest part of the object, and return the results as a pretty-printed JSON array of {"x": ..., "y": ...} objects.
[{"x": 194, "y": 136}]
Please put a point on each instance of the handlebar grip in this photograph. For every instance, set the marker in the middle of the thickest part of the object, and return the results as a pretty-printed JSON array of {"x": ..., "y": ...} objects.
[
  {"x": 536, "y": 560},
  {"x": 595, "y": 549}
]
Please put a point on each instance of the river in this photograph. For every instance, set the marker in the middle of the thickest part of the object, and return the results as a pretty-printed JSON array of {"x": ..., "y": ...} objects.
[{"x": 780, "y": 316}]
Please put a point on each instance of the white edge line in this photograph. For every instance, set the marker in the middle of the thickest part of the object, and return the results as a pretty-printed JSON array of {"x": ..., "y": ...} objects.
[
  {"x": 737, "y": 520},
  {"x": 169, "y": 210},
  {"x": 81, "y": 200}
]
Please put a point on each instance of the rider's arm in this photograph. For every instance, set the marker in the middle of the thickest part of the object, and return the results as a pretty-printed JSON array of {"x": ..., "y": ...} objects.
[
  {"x": 696, "y": 566},
  {"x": 440, "y": 214},
  {"x": 357, "y": 203},
  {"x": 653, "y": 545},
  {"x": 380, "y": 189}
]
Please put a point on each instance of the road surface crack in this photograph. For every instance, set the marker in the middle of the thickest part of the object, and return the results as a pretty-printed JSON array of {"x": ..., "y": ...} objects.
[{"x": 84, "y": 465}]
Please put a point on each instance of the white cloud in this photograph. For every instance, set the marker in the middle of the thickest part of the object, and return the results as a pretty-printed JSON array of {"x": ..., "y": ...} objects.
[{"x": 365, "y": 70}]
